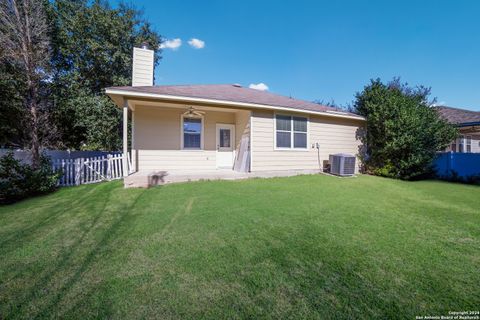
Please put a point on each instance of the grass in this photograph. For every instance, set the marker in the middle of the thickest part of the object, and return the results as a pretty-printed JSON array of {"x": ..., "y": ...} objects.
[{"x": 300, "y": 247}]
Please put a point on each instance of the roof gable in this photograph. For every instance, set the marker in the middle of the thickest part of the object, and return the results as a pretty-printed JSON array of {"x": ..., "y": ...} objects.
[{"x": 459, "y": 116}]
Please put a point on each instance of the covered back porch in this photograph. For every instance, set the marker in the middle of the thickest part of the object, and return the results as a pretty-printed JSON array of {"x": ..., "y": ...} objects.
[{"x": 174, "y": 139}]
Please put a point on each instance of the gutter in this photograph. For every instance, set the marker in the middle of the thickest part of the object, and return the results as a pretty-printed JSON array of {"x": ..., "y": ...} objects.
[
  {"x": 468, "y": 124},
  {"x": 134, "y": 94}
]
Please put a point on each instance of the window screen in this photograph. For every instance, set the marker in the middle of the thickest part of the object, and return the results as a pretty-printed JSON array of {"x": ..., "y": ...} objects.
[
  {"x": 300, "y": 124},
  {"x": 291, "y": 132},
  {"x": 192, "y": 133},
  {"x": 299, "y": 132},
  {"x": 299, "y": 140},
  {"x": 284, "y": 123},
  {"x": 460, "y": 144},
  {"x": 283, "y": 139}
]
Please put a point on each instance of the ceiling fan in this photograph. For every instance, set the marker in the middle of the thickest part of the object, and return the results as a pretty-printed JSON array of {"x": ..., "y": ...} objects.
[{"x": 191, "y": 111}]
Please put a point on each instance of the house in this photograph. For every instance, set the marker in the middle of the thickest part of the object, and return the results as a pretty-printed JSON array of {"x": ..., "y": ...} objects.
[
  {"x": 468, "y": 123},
  {"x": 225, "y": 128}
]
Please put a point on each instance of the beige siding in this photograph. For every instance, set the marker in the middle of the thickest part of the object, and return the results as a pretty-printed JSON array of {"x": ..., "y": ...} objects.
[
  {"x": 476, "y": 144},
  {"x": 157, "y": 133},
  {"x": 475, "y": 140},
  {"x": 333, "y": 135},
  {"x": 142, "y": 73},
  {"x": 159, "y": 160},
  {"x": 157, "y": 140}
]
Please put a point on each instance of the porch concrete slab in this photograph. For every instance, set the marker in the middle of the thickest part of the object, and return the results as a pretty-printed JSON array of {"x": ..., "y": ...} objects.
[{"x": 146, "y": 179}]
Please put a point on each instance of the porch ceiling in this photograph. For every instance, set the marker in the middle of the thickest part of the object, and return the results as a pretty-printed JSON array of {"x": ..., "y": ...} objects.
[
  {"x": 118, "y": 99},
  {"x": 163, "y": 104}
]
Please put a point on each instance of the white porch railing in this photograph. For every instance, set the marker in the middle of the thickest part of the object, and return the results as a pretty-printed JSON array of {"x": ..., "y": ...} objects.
[{"x": 91, "y": 170}]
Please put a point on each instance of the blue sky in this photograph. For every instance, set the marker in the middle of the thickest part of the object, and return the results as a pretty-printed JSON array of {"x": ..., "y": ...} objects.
[{"x": 323, "y": 49}]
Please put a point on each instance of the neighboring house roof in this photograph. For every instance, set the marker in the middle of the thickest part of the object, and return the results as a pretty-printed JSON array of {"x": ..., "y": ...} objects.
[
  {"x": 231, "y": 93},
  {"x": 460, "y": 117}
]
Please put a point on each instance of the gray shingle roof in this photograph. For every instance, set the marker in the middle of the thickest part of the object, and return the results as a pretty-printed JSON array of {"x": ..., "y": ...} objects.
[
  {"x": 458, "y": 116},
  {"x": 232, "y": 93}
]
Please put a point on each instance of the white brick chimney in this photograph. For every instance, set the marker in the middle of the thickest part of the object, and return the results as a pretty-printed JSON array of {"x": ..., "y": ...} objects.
[{"x": 142, "y": 73}]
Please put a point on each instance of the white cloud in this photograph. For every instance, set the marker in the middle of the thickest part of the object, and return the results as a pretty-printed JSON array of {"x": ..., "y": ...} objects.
[
  {"x": 173, "y": 44},
  {"x": 196, "y": 43},
  {"x": 259, "y": 86}
]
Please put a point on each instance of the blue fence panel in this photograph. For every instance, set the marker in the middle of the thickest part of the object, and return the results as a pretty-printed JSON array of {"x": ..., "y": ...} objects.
[{"x": 462, "y": 164}]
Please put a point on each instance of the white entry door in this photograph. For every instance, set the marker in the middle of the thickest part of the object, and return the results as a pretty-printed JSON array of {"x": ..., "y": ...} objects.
[{"x": 225, "y": 145}]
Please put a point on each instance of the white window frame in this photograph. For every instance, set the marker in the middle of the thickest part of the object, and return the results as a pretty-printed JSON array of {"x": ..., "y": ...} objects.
[
  {"x": 202, "y": 132},
  {"x": 468, "y": 144},
  {"x": 292, "y": 132},
  {"x": 461, "y": 141}
]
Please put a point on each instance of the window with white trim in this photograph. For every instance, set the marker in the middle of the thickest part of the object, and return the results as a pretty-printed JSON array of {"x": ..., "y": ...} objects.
[
  {"x": 290, "y": 132},
  {"x": 468, "y": 143},
  {"x": 192, "y": 132},
  {"x": 461, "y": 144}
]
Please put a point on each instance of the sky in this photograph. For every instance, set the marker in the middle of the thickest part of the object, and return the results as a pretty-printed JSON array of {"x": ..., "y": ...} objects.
[{"x": 321, "y": 50}]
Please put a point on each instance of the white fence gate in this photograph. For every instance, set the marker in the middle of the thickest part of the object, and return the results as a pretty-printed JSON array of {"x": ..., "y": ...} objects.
[{"x": 90, "y": 170}]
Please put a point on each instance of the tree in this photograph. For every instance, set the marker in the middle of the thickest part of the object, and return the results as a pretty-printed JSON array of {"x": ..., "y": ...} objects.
[
  {"x": 329, "y": 103},
  {"x": 403, "y": 129},
  {"x": 25, "y": 46},
  {"x": 92, "y": 47},
  {"x": 56, "y": 73},
  {"x": 12, "y": 111}
]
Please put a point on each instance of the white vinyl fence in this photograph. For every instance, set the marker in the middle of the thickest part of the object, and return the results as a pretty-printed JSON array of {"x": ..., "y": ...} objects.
[
  {"x": 25, "y": 155},
  {"x": 90, "y": 170}
]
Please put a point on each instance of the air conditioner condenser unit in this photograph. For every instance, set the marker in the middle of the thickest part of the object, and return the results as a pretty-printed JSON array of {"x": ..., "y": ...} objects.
[{"x": 342, "y": 164}]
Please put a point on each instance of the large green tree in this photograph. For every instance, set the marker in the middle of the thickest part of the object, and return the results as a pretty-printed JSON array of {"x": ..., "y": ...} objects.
[
  {"x": 403, "y": 130},
  {"x": 12, "y": 110},
  {"x": 85, "y": 47},
  {"x": 92, "y": 46},
  {"x": 24, "y": 55}
]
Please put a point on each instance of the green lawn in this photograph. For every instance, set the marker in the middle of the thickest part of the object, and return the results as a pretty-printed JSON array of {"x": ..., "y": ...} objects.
[{"x": 300, "y": 247}]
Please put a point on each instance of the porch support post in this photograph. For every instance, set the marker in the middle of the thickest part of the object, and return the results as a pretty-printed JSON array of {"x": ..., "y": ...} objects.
[
  {"x": 133, "y": 151},
  {"x": 125, "y": 138}
]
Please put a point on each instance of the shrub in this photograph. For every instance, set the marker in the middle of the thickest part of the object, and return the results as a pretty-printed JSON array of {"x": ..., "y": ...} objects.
[
  {"x": 404, "y": 131},
  {"x": 453, "y": 176},
  {"x": 19, "y": 181}
]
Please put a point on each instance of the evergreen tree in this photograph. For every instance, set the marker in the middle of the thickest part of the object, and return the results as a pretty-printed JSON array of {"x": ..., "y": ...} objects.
[{"x": 403, "y": 130}]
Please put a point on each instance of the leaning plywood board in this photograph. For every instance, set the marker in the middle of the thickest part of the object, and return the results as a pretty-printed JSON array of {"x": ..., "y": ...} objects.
[{"x": 242, "y": 163}]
